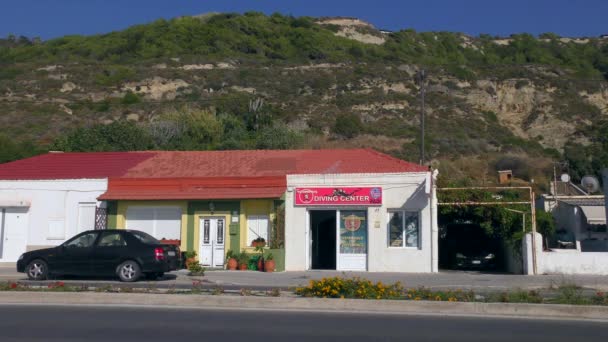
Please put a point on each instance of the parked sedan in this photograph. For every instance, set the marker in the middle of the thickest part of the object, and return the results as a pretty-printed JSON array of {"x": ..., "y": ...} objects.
[{"x": 128, "y": 254}]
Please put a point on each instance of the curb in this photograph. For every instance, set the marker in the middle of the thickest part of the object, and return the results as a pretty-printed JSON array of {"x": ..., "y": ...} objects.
[{"x": 536, "y": 311}]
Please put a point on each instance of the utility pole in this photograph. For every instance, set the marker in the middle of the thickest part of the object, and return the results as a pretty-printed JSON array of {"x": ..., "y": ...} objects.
[{"x": 421, "y": 79}]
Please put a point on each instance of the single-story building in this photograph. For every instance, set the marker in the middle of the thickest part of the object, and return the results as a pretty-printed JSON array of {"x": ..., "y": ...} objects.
[
  {"x": 48, "y": 198},
  {"x": 316, "y": 209}
]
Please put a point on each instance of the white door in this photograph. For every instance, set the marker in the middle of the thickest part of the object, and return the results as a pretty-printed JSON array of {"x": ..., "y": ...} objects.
[
  {"x": 212, "y": 241},
  {"x": 13, "y": 230}
]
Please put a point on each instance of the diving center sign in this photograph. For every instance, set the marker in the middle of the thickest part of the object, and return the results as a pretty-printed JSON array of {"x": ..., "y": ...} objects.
[{"x": 369, "y": 196}]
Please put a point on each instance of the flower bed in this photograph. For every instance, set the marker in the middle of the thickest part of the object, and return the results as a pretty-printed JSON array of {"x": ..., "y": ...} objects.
[{"x": 338, "y": 287}]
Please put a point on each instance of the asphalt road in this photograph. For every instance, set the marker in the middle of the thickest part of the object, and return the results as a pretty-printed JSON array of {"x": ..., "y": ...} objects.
[{"x": 90, "y": 323}]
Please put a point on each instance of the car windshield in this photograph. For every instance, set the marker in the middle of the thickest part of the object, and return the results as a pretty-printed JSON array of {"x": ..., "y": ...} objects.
[{"x": 144, "y": 237}]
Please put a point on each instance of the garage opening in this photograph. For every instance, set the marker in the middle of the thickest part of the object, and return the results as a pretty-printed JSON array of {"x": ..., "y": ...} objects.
[
  {"x": 160, "y": 222},
  {"x": 323, "y": 236},
  {"x": 481, "y": 228}
]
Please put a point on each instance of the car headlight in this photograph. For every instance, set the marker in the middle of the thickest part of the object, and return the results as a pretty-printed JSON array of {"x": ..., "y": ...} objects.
[
  {"x": 460, "y": 256},
  {"x": 489, "y": 256},
  {"x": 21, "y": 256}
]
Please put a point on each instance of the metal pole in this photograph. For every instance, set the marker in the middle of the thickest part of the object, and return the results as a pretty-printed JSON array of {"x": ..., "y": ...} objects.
[
  {"x": 554, "y": 188},
  {"x": 605, "y": 188},
  {"x": 422, "y": 84},
  {"x": 533, "y": 209}
]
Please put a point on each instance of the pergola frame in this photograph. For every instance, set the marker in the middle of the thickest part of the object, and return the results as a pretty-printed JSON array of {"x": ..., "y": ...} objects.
[{"x": 531, "y": 202}]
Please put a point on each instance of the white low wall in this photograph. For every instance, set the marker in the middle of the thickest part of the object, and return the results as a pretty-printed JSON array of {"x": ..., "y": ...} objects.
[{"x": 566, "y": 261}]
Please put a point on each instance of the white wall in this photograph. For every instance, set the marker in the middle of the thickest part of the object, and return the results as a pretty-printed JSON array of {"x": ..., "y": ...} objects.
[
  {"x": 566, "y": 261},
  {"x": 55, "y": 200},
  {"x": 399, "y": 191}
]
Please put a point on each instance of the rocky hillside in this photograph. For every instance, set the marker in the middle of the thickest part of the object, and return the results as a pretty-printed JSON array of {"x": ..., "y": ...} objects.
[{"x": 491, "y": 103}]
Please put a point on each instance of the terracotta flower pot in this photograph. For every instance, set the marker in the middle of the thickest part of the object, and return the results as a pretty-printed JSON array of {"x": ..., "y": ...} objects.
[
  {"x": 258, "y": 243},
  {"x": 269, "y": 265},
  {"x": 190, "y": 261},
  {"x": 232, "y": 264},
  {"x": 260, "y": 265},
  {"x": 243, "y": 267}
]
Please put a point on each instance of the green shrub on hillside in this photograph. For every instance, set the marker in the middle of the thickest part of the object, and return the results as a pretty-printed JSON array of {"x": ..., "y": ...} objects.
[{"x": 348, "y": 125}]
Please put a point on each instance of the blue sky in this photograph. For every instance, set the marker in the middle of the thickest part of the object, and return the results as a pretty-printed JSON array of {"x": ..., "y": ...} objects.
[{"x": 54, "y": 18}]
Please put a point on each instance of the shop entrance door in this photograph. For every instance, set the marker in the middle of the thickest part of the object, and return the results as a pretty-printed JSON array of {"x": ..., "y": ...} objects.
[
  {"x": 212, "y": 241},
  {"x": 323, "y": 239},
  {"x": 352, "y": 254}
]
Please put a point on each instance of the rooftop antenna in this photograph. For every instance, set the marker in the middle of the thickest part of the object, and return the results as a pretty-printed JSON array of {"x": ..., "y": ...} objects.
[{"x": 590, "y": 183}]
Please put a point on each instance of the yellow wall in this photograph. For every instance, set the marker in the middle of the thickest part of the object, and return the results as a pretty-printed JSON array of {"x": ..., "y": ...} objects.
[
  {"x": 254, "y": 207},
  {"x": 248, "y": 207},
  {"x": 121, "y": 214}
]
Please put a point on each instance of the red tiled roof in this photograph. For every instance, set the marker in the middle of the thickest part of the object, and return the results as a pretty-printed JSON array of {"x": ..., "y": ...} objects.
[
  {"x": 268, "y": 163},
  {"x": 197, "y": 164},
  {"x": 195, "y": 188},
  {"x": 73, "y": 165}
]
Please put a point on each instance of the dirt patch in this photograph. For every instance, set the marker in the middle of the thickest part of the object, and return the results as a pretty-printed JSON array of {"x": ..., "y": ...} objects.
[
  {"x": 156, "y": 88},
  {"x": 352, "y": 33}
]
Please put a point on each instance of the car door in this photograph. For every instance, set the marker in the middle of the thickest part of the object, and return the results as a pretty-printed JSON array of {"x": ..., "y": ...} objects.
[
  {"x": 109, "y": 251},
  {"x": 74, "y": 255}
]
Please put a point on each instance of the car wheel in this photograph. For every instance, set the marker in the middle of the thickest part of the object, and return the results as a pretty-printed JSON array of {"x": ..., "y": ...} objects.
[
  {"x": 128, "y": 271},
  {"x": 37, "y": 270}
]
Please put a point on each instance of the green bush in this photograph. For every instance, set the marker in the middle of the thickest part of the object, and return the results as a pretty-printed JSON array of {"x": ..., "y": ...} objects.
[
  {"x": 117, "y": 136},
  {"x": 130, "y": 98},
  {"x": 348, "y": 125}
]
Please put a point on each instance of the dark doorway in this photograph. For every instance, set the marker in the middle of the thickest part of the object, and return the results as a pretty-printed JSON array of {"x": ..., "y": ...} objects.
[
  {"x": 323, "y": 235},
  {"x": 467, "y": 246}
]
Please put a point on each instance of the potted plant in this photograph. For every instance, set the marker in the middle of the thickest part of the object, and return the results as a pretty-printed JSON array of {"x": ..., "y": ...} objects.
[
  {"x": 260, "y": 263},
  {"x": 243, "y": 260},
  {"x": 269, "y": 264},
  {"x": 258, "y": 242},
  {"x": 196, "y": 269},
  {"x": 231, "y": 260},
  {"x": 189, "y": 258}
]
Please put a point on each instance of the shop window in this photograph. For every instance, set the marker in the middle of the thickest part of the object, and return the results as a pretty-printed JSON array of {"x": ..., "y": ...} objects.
[
  {"x": 403, "y": 228},
  {"x": 257, "y": 226}
]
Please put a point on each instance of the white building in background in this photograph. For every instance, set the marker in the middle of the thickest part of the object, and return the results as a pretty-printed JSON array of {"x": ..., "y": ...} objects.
[{"x": 580, "y": 242}]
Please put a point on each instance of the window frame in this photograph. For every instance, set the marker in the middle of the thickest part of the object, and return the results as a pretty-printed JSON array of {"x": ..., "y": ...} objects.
[
  {"x": 257, "y": 218},
  {"x": 404, "y": 214},
  {"x": 94, "y": 243},
  {"x": 103, "y": 234}
]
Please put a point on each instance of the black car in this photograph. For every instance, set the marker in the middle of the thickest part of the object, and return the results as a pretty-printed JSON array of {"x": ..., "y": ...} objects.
[
  {"x": 128, "y": 254},
  {"x": 467, "y": 246}
]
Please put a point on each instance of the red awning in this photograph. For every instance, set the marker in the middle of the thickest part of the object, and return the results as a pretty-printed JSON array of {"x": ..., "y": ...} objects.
[{"x": 194, "y": 188}]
